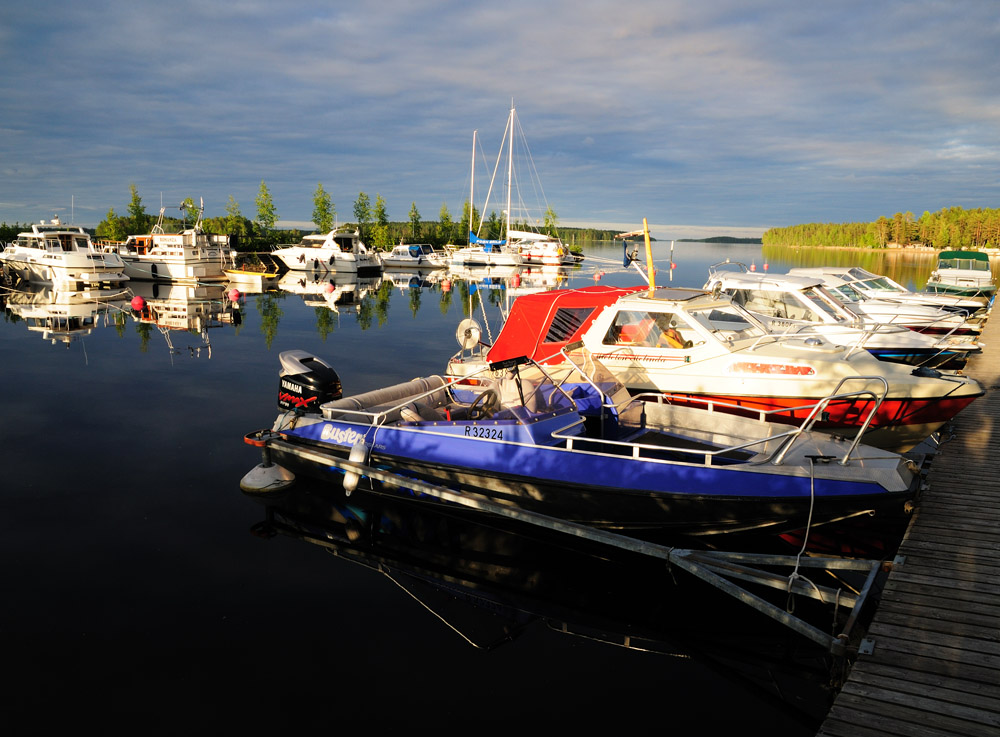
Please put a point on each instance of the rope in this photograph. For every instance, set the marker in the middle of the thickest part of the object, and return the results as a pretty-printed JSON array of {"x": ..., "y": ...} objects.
[{"x": 794, "y": 575}]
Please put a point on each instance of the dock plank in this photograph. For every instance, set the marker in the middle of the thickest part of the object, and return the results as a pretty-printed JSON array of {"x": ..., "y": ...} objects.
[{"x": 934, "y": 667}]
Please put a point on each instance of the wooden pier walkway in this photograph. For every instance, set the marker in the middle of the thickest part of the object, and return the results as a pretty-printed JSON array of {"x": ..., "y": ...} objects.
[{"x": 934, "y": 665}]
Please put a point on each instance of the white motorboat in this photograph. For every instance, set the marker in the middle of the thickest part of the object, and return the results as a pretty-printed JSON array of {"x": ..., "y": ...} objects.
[
  {"x": 64, "y": 257},
  {"x": 803, "y": 306},
  {"x": 190, "y": 256},
  {"x": 876, "y": 286},
  {"x": 692, "y": 346},
  {"x": 894, "y": 305},
  {"x": 341, "y": 251},
  {"x": 414, "y": 256}
]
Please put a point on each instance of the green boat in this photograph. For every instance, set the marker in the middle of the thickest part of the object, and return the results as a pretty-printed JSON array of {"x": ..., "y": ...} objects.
[{"x": 964, "y": 274}]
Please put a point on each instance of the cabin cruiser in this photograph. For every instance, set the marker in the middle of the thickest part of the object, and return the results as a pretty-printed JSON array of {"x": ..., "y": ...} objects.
[
  {"x": 963, "y": 274},
  {"x": 692, "y": 346},
  {"x": 874, "y": 286},
  {"x": 339, "y": 250},
  {"x": 922, "y": 318},
  {"x": 190, "y": 256},
  {"x": 64, "y": 257},
  {"x": 571, "y": 444},
  {"x": 414, "y": 256},
  {"x": 803, "y": 306}
]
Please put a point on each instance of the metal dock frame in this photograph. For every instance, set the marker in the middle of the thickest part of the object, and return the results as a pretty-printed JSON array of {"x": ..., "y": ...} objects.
[{"x": 719, "y": 569}]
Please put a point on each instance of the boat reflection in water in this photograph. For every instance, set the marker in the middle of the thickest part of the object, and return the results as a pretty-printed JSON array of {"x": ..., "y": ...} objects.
[
  {"x": 61, "y": 315},
  {"x": 334, "y": 290},
  {"x": 492, "y": 580},
  {"x": 185, "y": 309}
]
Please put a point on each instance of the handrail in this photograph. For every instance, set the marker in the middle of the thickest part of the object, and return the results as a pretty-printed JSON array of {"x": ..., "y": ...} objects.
[
  {"x": 807, "y": 424},
  {"x": 791, "y": 435},
  {"x": 814, "y": 415},
  {"x": 637, "y": 448}
]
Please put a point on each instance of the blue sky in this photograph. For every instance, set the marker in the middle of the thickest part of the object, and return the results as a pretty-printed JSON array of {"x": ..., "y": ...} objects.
[{"x": 726, "y": 116}]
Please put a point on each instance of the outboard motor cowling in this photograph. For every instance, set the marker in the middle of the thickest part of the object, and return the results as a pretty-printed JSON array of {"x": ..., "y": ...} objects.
[{"x": 306, "y": 382}]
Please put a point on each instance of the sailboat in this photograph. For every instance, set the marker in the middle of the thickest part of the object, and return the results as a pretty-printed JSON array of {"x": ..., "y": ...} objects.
[
  {"x": 521, "y": 246},
  {"x": 482, "y": 252}
]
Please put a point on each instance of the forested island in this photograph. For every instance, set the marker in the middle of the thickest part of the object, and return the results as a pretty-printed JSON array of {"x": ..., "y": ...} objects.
[
  {"x": 951, "y": 227},
  {"x": 721, "y": 239}
]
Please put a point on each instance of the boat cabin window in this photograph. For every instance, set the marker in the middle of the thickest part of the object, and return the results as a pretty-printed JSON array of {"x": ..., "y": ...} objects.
[
  {"x": 726, "y": 323},
  {"x": 968, "y": 264},
  {"x": 346, "y": 243},
  {"x": 778, "y": 304},
  {"x": 565, "y": 323},
  {"x": 650, "y": 329}
]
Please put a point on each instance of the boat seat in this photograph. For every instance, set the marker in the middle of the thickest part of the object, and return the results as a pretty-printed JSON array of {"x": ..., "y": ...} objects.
[{"x": 420, "y": 412}]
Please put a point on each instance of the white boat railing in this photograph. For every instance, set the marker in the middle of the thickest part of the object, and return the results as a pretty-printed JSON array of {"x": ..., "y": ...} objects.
[{"x": 815, "y": 412}]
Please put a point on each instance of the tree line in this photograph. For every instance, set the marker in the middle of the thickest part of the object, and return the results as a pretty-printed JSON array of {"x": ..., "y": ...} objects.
[
  {"x": 369, "y": 218},
  {"x": 950, "y": 227}
]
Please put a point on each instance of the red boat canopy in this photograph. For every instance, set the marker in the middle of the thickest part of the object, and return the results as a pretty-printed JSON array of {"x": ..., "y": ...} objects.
[{"x": 539, "y": 325}]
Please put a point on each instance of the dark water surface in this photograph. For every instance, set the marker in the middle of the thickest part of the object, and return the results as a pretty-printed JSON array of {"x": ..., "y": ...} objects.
[{"x": 143, "y": 594}]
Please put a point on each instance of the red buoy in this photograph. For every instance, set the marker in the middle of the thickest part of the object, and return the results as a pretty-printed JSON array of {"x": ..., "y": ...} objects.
[
  {"x": 234, "y": 295},
  {"x": 138, "y": 303},
  {"x": 329, "y": 288}
]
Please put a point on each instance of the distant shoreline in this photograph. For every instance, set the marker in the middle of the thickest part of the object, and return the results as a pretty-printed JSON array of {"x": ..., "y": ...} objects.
[{"x": 723, "y": 239}]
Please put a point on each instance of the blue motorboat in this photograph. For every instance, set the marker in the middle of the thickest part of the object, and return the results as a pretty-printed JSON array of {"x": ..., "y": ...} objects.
[{"x": 573, "y": 444}]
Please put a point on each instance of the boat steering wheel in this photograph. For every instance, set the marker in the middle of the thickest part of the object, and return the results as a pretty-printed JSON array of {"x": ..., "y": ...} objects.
[{"x": 485, "y": 405}]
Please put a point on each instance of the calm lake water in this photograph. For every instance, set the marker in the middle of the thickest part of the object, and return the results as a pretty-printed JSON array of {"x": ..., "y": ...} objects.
[{"x": 143, "y": 590}]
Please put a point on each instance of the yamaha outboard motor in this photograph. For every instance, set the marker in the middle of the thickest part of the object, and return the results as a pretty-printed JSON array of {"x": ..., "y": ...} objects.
[{"x": 306, "y": 382}]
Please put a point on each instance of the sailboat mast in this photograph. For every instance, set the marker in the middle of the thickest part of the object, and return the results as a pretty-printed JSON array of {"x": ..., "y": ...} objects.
[
  {"x": 472, "y": 184},
  {"x": 510, "y": 163}
]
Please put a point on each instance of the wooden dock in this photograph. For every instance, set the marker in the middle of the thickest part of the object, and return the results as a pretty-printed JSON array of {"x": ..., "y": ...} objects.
[{"x": 934, "y": 661}]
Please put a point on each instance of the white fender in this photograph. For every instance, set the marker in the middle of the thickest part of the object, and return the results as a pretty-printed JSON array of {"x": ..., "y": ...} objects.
[{"x": 359, "y": 454}]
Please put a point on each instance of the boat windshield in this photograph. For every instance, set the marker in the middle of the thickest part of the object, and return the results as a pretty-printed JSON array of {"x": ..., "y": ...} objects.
[
  {"x": 964, "y": 263},
  {"x": 781, "y": 304},
  {"x": 821, "y": 299},
  {"x": 726, "y": 322},
  {"x": 847, "y": 293},
  {"x": 880, "y": 284},
  {"x": 681, "y": 328}
]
